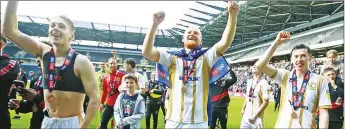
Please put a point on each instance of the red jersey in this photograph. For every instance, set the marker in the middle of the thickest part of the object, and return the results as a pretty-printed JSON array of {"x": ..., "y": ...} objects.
[{"x": 111, "y": 84}]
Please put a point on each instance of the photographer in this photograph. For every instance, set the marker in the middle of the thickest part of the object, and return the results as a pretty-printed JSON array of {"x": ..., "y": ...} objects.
[
  {"x": 9, "y": 70},
  {"x": 32, "y": 100}
]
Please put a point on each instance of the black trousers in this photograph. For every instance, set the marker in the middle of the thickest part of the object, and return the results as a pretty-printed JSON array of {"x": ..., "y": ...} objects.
[
  {"x": 220, "y": 113},
  {"x": 36, "y": 119},
  {"x": 163, "y": 108},
  {"x": 152, "y": 108},
  {"x": 107, "y": 114},
  {"x": 5, "y": 119},
  {"x": 277, "y": 102}
]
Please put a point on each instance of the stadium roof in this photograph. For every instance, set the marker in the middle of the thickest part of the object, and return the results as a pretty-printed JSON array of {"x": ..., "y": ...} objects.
[{"x": 256, "y": 19}]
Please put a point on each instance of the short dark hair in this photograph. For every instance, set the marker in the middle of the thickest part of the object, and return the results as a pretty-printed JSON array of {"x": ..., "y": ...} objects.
[
  {"x": 3, "y": 39},
  {"x": 327, "y": 70},
  {"x": 130, "y": 61},
  {"x": 131, "y": 76},
  {"x": 301, "y": 46}
]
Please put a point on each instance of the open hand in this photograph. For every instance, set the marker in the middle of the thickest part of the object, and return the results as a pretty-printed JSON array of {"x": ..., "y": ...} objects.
[
  {"x": 28, "y": 94},
  {"x": 13, "y": 104},
  {"x": 251, "y": 120}
]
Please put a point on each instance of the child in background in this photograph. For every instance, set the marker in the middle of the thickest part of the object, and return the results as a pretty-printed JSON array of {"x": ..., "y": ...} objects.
[{"x": 129, "y": 108}]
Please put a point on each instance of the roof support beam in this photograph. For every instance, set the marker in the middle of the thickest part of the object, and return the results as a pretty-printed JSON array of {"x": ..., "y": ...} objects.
[
  {"x": 110, "y": 33},
  {"x": 273, "y": 15},
  {"x": 179, "y": 30},
  {"x": 211, "y": 6},
  {"x": 31, "y": 19},
  {"x": 174, "y": 34},
  {"x": 141, "y": 29},
  {"x": 94, "y": 32},
  {"x": 124, "y": 36},
  {"x": 338, "y": 8},
  {"x": 289, "y": 5},
  {"x": 311, "y": 17},
  {"x": 310, "y": 14},
  {"x": 181, "y": 25},
  {"x": 287, "y": 19},
  {"x": 263, "y": 24},
  {"x": 244, "y": 21},
  {"x": 165, "y": 39},
  {"x": 327, "y": 3},
  {"x": 194, "y": 23},
  {"x": 199, "y": 18},
  {"x": 206, "y": 13},
  {"x": 263, "y": 6}
]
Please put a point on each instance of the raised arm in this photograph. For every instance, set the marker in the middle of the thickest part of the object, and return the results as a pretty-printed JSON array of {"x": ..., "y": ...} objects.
[
  {"x": 148, "y": 50},
  {"x": 10, "y": 29},
  {"x": 87, "y": 76},
  {"x": 230, "y": 29},
  {"x": 262, "y": 63}
]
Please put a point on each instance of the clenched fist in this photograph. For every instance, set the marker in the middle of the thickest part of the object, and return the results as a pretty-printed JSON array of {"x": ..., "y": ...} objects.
[
  {"x": 282, "y": 37},
  {"x": 233, "y": 8},
  {"x": 158, "y": 17}
]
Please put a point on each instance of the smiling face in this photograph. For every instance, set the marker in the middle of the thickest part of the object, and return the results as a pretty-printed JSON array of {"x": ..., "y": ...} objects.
[
  {"x": 192, "y": 38},
  {"x": 112, "y": 64},
  {"x": 131, "y": 82},
  {"x": 300, "y": 59},
  {"x": 61, "y": 30}
]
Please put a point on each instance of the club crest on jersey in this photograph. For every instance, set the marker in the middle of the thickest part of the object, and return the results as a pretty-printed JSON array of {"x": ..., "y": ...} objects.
[
  {"x": 312, "y": 86},
  {"x": 190, "y": 78}
]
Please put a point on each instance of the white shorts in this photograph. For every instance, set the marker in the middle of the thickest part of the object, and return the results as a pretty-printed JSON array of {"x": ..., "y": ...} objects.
[
  {"x": 257, "y": 125},
  {"x": 59, "y": 123},
  {"x": 173, "y": 125}
]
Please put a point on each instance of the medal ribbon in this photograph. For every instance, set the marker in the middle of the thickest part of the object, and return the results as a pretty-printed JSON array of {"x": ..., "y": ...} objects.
[
  {"x": 112, "y": 84},
  {"x": 51, "y": 68},
  {"x": 38, "y": 84},
  {"x": 297, "y": 96},
  {"x": 192, "y": 56},
  {"x": 251, "y": 91}
]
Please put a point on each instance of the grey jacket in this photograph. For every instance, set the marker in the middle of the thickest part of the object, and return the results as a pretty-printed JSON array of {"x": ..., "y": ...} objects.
[{"x": 138, "y": 114}]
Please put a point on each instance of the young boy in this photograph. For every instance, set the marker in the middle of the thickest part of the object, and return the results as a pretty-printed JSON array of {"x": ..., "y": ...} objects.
[{"x": 129, "y": 108}]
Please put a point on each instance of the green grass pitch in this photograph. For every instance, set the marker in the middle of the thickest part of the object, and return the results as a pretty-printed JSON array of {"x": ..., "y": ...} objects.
[{"x": 234, "y": 117}]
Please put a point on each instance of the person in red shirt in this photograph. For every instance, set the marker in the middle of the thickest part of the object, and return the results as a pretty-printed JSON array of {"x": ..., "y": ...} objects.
[{"x": 111, "y": 83}]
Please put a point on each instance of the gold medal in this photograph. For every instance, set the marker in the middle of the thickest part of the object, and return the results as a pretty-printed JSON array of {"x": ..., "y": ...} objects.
[
  {"x": 294, "y": 115},
  {"x": 51, "y": 98},
  {"x": 184, "y": 90}
]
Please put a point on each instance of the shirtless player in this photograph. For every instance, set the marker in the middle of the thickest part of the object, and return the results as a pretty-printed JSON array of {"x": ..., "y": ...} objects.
[{"x": 76, "y": 78}]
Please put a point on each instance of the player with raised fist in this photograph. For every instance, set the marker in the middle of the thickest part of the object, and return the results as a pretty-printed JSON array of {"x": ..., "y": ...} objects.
[
  {"x": 190, "y": 110},
  {"x": 302, "y": 92}
]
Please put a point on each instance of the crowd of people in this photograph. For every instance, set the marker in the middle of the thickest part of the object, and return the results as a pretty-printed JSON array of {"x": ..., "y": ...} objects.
[
  {"x": 192, "y": 99},
  {"x": 316, "y": 65}
]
